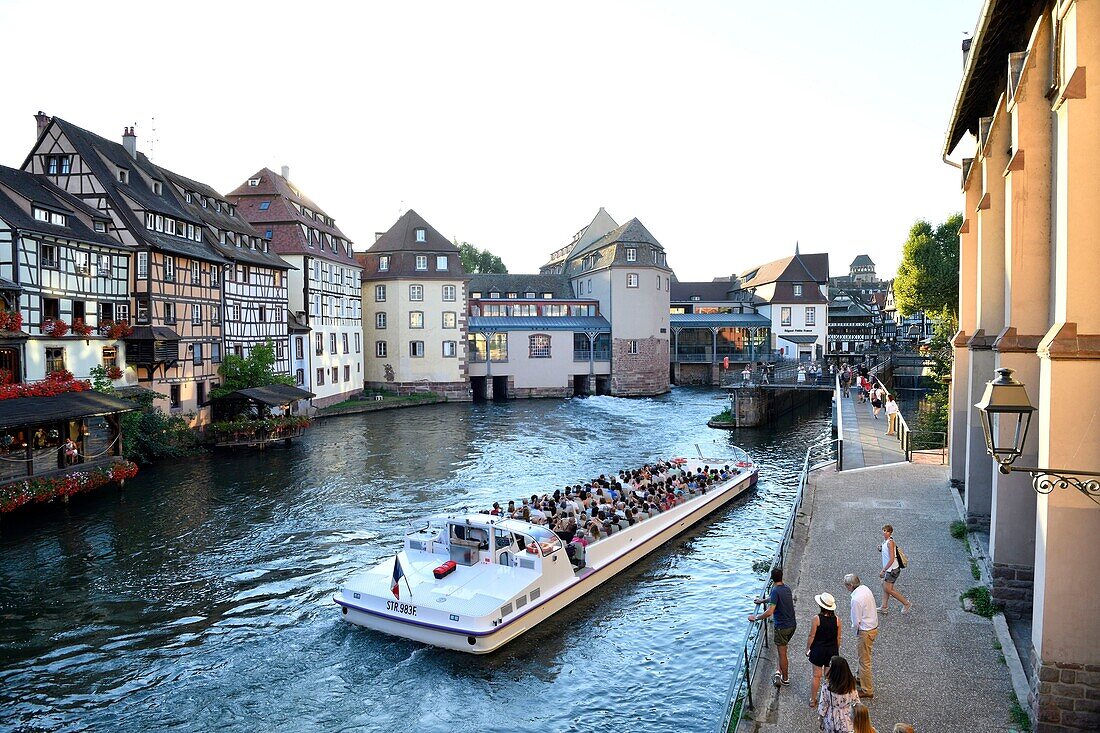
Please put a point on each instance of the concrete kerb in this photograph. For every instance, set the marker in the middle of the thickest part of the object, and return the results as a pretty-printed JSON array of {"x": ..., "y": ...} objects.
[{"x": 979, "y": 553}]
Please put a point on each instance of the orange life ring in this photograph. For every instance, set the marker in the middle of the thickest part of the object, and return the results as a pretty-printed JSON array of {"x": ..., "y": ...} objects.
[
  {"x": 744, "y": 464},
  {"x": 533, "y": 548}
]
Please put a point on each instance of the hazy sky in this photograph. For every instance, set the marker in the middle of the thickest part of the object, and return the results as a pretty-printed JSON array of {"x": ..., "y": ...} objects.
[{"x": 730, "y": 129}]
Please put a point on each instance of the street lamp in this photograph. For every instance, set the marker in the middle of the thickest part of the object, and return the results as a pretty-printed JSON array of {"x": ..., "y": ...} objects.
[{"x": 1006, "y": 398}]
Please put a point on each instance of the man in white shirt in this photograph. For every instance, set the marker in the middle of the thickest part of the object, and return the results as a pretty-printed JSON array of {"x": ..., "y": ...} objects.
[{"x": 865, "y": 623}]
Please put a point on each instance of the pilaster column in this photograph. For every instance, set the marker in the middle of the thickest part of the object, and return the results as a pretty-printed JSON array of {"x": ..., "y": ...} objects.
[
  {"x": 993, "y": 142},
  {"x": 968, "y": 317},
  {"x": 1027, "y": 310},
  {"x": 1067, "y": 555}
]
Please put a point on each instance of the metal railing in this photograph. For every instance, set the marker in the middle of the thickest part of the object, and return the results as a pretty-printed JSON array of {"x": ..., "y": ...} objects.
[
  {"x": 838, "y": 394},
  {"x": 755, "y": 640},
  {"x": 598, "y": 355}
]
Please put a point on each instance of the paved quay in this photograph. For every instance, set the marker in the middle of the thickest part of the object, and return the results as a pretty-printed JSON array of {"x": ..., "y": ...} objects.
[
  {"x": 938, "y": 667},
  {"x": 865, "y": 439}
]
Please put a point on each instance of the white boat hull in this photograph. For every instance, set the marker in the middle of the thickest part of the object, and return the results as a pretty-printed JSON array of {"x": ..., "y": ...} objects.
[{"x": 488, "y": 639}]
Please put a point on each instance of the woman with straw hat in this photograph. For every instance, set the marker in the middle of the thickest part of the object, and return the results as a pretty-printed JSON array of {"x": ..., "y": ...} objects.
[{"x": 824, "y": 640}]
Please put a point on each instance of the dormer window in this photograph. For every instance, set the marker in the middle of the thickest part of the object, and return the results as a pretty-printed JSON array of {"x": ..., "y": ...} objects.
[
  {"x": 475, "y": 295},
  {"x": 41, "y": 214},
  {"x": 204, "y": 202},
  {"x": 101, "y": 226},
  {"x": 494, "y": 294},
  {"x": 187, "y": 196},
  {"x": 528, "y": 295},
  {"x": 798, "y": 290},
  {"x": 631, "y": 254},
  {"x": 265, "y": 205},
  {"x": 253, "y": 182},
  {"x": 422, "y": 262},
  {"x": 513, "y": 295},
  {"x": 123, "y": 175},
  {"x": 217, "y": 206},
  {"x": 421, "y": 235},
  {"x": 441, "y": 262},
  {"x": 383, "y": 263},
  {"x": 548, "y": 296},
  {"x": 696, "y": 298},
  {"x": 156, "y": 187}
]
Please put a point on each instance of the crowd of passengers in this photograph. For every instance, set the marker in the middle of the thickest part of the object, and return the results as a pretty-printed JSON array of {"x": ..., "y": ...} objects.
[{"x": 583, "y": 514}]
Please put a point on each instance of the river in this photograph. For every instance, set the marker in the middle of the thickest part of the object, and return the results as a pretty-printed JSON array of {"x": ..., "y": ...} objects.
[{"x": 200, "y": 598}]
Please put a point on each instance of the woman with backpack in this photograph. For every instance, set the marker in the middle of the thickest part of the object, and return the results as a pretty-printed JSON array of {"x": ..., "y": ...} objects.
[{"x": 891, "y": 568}]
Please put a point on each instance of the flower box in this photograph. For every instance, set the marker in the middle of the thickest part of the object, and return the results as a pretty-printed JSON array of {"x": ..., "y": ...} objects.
[{"x": 55, "y": 327}]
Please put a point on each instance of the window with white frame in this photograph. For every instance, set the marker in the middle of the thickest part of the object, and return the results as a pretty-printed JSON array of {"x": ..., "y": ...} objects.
[
  {"x": 142, "y": 264},
  {"x": 416, "y": 292},
  {"x": 196, "y": 314},
  {"x": 380, "y": 320},
  {"x": 785, "y": 316},
  {"x": 797, "y": 291},
  {"x": 421, "y": 236},
  {"x": 631, "y": 280},
  {"x": 383, "y": 263},
  {"x": 416, "y": 319},
  {"x": 811, "y": 316},
  {"x": 632, "y": 347},
  {"x": 169, "y": 268},
  {"x": 48, "y": 256},
  {"x": 538, "y": 346},
  {"x": 379, "y": 293},
  {"x": 422, "y": 262},
  {"x": 441, "y": 262},
  {"x": 450, "y": 319},
  {"x": 450, "y": 349},
  {"x": 631, "y": 254},
  {"x": 416, "y": 349},
  {"x": 450, "y": 293},
  {"x": 380, "y": 349}
]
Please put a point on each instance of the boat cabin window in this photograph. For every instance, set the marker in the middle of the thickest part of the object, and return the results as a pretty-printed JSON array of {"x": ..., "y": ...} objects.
[
  {"x": 467, "y": 543},
  {"x": 542, "y": 541}
]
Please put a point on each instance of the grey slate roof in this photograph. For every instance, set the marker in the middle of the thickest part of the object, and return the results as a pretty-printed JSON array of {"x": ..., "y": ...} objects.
[
  {"x": 539, "y": 323},
  {"x": 223, "y": 221},
  {"x": 729, "y": 320},
  {"x": 862, "y": 261},
  {"x": 39, "y": 190},
  {"x": 55, "y": 408},
  {"x": 520, "y": 284},
  {"x": 402, "y": 237},
  {"x": 136, "y": 193},
  {"x": 718, "y": 290},
  {"x": 272, "y": 394}
]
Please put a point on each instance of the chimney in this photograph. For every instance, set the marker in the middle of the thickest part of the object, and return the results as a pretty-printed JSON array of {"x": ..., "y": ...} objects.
[
  {"x": 966, "y": 48},
  {"x": 378, "y": 235},
  {"x": 43, "y": 121},
  {"x": 129, "y": 141},
  {"x": 286, "y": 172}
]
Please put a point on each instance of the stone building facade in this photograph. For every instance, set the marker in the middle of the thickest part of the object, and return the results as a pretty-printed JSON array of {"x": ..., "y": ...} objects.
[{"x": 1028, "y": 270}]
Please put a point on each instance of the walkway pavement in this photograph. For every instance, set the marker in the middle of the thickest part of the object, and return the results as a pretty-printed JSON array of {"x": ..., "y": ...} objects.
[
  {"x": 865, "y": 441},
  {"x": 938, "y": 667}
]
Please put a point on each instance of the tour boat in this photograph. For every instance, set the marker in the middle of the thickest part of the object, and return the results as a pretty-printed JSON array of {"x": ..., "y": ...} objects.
[{"x": 473, "y": 582}]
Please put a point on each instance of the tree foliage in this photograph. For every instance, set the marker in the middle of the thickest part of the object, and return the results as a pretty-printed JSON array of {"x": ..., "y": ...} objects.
[
  {"x": 928, "y": 277},
  {"x": 476, "y": 260},
  {"x": 255, "y": 370}
]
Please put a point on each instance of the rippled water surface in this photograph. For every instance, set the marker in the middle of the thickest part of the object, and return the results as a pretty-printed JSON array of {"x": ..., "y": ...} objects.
[{"x": 201, "y": 598}]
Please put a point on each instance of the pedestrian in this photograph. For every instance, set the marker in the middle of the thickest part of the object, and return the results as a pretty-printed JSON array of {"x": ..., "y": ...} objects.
[
  {"x": 865, "y": 624},
  {"x": 876, "y": 399},
  {"x": 861, "y": 719},
  {"x": 801, "y": 375},
  {"x": 892, "y": 413},
  {"x": 838, "y": 695},
  {"x": 824, "y": 641},
  {"x": 780, "y": 605},
  {"x": 891, "y": 568}
]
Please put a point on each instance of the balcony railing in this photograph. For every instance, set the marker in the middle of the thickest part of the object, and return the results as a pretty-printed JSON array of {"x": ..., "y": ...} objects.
[
  {"x": 599, "y": 355},
  {"x": 705, "y": 354}
]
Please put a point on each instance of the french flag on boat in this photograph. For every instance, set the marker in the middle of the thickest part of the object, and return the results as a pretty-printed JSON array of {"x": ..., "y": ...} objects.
[{"x": 398, "y": 574}]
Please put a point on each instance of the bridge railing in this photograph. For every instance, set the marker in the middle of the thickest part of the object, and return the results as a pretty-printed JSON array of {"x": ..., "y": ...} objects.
[{"x": 755, "y": 639}]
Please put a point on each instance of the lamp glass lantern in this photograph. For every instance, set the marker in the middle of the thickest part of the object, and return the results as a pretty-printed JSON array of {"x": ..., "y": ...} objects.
[{"x": 1005, "y": 398}]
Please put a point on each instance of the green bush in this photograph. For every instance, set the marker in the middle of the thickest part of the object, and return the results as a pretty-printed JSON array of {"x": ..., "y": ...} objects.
[
  {"x": 983, "y": 601},
  {"x": 723, "y": 416},
  {"x": 148, "y": 435},
  {"x": 958, "y": 529}
]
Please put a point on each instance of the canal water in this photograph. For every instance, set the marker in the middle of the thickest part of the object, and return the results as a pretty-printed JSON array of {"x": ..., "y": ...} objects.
[{"x": 200, "y": 598}]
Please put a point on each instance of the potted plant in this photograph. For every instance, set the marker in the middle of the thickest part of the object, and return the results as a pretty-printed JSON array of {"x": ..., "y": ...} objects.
[
  {"x": 80, "y": 328},
  {"x": 114, "y": 372},
  {"x": 11, "y": 321},
  {"x": 55, "y": 327}
]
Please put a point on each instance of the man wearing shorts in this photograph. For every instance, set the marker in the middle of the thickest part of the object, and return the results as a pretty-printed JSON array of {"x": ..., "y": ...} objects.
[{"x": 781, "y": 606}]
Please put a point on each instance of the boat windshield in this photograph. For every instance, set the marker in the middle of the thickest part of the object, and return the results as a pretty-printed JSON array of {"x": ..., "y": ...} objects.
[{"x": 546, "y": 540}]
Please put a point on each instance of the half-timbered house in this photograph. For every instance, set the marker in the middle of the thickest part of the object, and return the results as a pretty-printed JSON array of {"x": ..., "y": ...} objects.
[
  {"x": 254, "y": 284},
  {"x": 68, "y": 279},
  {"x": 175, "y": 281},
  {"x": 324, "y": 288}
]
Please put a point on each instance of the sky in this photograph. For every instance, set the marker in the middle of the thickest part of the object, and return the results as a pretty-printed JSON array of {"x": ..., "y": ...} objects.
[{"x": 730, "y": 129}]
